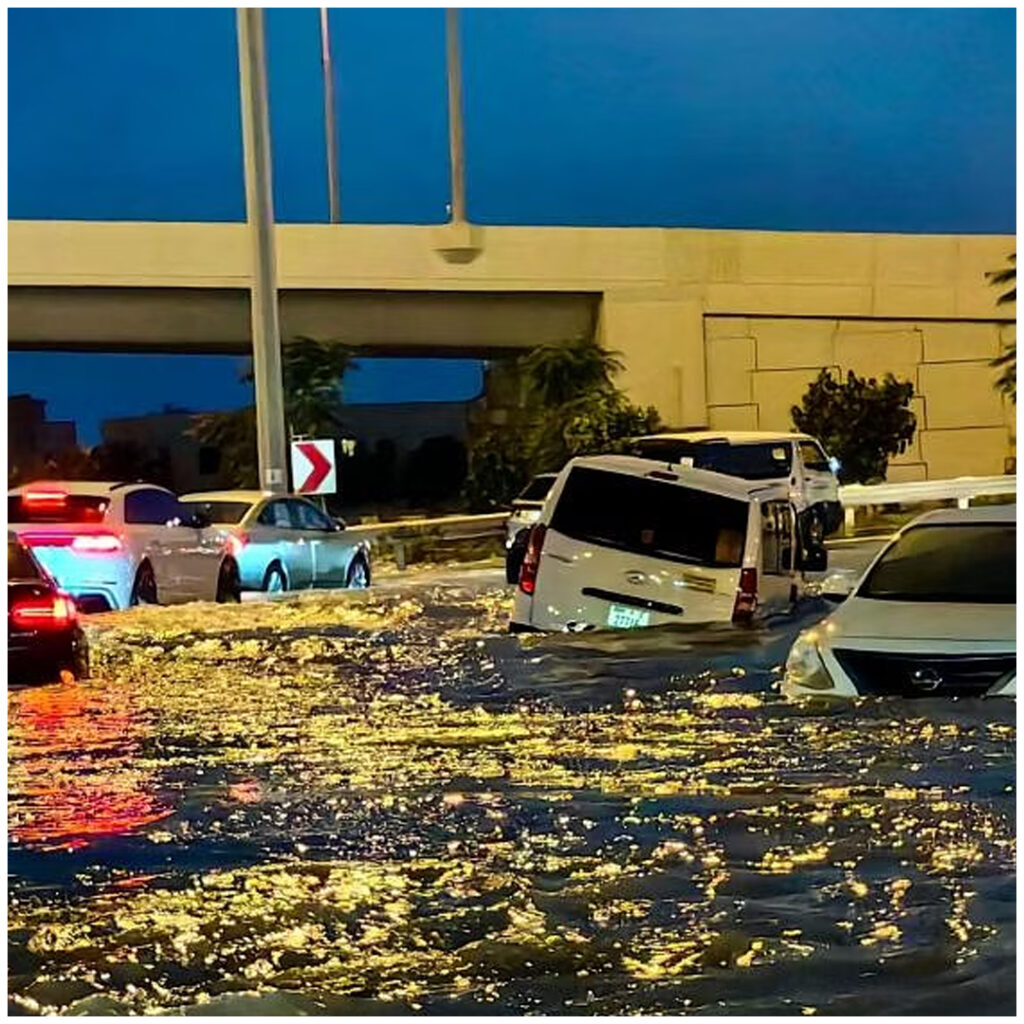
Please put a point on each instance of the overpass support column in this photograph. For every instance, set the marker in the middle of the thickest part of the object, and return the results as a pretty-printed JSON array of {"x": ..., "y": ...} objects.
[{"x": 662, "y": 344}]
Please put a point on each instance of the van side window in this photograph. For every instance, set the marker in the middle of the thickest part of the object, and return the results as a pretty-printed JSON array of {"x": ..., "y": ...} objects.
[
  {"x": 813, "y": 457},
  {"x": 777, "y": 537}
]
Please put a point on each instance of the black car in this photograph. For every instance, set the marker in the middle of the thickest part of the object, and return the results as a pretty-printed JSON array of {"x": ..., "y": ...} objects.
[{"x": 44, "y": 638}]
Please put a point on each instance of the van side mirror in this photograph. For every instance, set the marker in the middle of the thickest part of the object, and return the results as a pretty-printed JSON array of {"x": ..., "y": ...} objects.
[{"x": 814, "y": 559}]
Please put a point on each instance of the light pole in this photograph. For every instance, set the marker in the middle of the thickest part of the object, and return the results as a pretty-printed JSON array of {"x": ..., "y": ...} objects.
[
  {"x": 330, "y": 128},
  {"x": 455, "y": 139},
  {"x": 259, "y": 204}
]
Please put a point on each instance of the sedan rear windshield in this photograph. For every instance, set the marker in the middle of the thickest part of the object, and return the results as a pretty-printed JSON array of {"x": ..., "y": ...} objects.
[
  {"x": 57, "y": 508},
  {"x": 761, "y": 461},
  {"x": 972, "y": 563},
  {"x": 220, "y": 511},
  {"x": 662, "y": 520},
  {"x": 19, "y": 563}
]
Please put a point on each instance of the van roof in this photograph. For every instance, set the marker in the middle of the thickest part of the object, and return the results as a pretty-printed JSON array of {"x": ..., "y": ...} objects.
[
  {"x": 727, "y": 436},
  {"x": 702, "y": 479}
]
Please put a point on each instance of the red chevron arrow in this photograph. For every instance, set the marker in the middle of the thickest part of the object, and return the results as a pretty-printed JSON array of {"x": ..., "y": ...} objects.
[{"x": 321, "y": 467}]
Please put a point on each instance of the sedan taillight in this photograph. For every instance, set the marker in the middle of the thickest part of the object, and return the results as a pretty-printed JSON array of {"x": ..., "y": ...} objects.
[
  {"x": 51, "y": 611},
  {"x": 96, "y": 542}
]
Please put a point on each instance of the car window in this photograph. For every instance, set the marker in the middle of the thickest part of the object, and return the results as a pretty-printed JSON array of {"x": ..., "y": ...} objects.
[
  {"x": 777, "y": 537},
  {"x": 813, "y": 457},
  {"x": 970, "y": 563},
  {"x": 764, "y": 460},
  {"x": 537, "y": 489},
  {"x": 152, "y": 507},
  {"x": 309, "y": 517},
  {"x": 648, "y": 517},
  {"x": 276, "y": 514},
  {"x": 56, "y": 507},
  {"x": 20, "y": 564},
  {"x": 220, "y": 511}
]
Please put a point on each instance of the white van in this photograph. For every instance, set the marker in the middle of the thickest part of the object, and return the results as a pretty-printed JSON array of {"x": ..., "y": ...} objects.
[
  {"x": 622, "y": 543},
  {"x": 796, "y": 460}
]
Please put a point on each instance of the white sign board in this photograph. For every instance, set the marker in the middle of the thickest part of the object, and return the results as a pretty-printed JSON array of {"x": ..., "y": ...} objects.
[{"x": 313, "y": 468}]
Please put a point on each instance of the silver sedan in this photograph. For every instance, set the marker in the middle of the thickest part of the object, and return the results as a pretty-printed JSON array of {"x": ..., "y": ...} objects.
[{"x": 283, "y": 542}]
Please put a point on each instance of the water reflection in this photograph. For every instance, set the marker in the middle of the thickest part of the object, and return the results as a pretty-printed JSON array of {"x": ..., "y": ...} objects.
[
  {"x": 73, "y": 770},
  {"x": 386, "y": 802}
]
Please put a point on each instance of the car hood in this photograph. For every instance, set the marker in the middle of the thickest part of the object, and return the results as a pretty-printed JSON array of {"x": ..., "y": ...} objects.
[{"x": 867, "y": 619}]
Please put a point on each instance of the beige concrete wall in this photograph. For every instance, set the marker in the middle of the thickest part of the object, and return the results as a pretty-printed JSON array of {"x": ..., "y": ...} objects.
[
  {"x": 717, "y": 327},
  {"x": 759, "y": 367}
]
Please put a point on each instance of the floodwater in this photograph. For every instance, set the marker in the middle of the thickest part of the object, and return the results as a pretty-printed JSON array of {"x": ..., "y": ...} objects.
[{"x": 381, "y": 803}]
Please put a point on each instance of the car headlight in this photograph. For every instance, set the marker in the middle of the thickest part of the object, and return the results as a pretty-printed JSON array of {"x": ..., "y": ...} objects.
[{"x": 804, "y": 666}]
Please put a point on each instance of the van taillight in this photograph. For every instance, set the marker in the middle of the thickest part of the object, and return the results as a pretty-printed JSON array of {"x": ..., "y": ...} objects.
[
  {"x": 746, "y": 597},
  {"x": 53, "y": 611},
  {"x": 531, "y": 560}
]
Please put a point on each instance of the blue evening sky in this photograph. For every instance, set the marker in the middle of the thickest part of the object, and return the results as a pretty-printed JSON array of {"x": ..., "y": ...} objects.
[{"x": 842, "y": 120}]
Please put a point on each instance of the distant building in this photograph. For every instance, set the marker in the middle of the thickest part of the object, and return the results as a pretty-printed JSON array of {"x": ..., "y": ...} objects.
[
  {"x": 400, "y": 427},
  {"x": 33, "y": 441}
]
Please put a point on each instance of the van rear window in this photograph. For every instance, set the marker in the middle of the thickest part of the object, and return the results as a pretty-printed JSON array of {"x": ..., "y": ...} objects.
[
  {"x": 662, "y": 520},
  {"x": 758, "y": 461}
]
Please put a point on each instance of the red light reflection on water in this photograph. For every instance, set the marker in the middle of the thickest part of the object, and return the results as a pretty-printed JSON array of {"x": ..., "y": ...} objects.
[{"x": 73, "y": 772}]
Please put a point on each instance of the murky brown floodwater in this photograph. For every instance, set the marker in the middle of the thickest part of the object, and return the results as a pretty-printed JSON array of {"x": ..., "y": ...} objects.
[{"x": 381, "y": 802}]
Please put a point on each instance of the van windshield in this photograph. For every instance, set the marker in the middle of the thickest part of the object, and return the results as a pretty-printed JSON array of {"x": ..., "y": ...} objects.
[
  {"x": 763, "y": 460},
  {"x": 662, "y": 520}
]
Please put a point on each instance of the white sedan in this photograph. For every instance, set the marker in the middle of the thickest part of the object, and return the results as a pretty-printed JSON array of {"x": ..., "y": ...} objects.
[
  {"x": 283, "y": 542},
  {"x": 934, "y": 615}
]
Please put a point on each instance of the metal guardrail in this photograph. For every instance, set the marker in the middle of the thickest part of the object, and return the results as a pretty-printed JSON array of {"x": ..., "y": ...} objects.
[
  {"x": 961, "y": 489},
  {"x": 398, "y": 533}
]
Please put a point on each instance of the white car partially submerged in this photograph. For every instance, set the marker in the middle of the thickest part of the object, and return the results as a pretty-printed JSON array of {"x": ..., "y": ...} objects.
[
  {"x": 934, "y": 615},
  {"x": 623, "y": 543}
]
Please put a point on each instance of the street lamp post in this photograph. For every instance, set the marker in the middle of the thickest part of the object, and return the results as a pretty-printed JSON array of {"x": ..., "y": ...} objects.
[
  {"x": 455, "y": 139},
  {"x": 259, "y": 203},
  {"x": 330, "y": 128}
]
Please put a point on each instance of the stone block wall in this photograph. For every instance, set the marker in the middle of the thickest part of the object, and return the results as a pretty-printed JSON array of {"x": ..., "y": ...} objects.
[{"x": 759, "y": 367}]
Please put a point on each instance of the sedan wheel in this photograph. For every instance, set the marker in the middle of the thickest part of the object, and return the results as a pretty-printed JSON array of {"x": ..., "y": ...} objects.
[
  {"x": 274, "y": 581},
  {"x": 229, "y": 586},
  {"x": 358, "y": 577},
  {"x": 144, "y": 588}
]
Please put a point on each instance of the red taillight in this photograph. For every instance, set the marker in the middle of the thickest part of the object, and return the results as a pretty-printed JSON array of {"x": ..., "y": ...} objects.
[
  {"x": 746, "y": 597},
  {"x": 52, "y": 611},
  {"x": 236, "y": 541},
  {"x": 531, "y": 560},
  {"x": 96, "y": 542},
  {"x": 88, "y": 543}
]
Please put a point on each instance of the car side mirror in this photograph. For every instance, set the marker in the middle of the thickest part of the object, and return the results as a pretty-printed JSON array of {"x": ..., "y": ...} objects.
[
  {"x": 337, "y": 525},
  {"x": 815, "y": 559},
  {"x": 198, "y": 520}
]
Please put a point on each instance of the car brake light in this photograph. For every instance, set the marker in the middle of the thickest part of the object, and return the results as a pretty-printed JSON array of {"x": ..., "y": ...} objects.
[
  {"x": 531, "y": 560},
  {"x": 96, "y": 542},
  {"x": 52, "y": 611},
  {"x": 236, "y": 541},
  {"x": 746, "y": 597},
  {"x": 44, "y": 497}
]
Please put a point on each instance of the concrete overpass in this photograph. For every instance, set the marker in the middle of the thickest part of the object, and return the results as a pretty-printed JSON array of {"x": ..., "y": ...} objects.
[{"x": 723, "y": 328}]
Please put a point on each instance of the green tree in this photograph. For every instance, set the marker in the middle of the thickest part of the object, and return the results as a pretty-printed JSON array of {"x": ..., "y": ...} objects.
[
  {"x": 312, "y": 373},
  {"x": 1007, "y": 361},
  {"x": 560, "y": 373},
  {"x": 574, "y": 408},
  {"x": 862, "y": 422}
]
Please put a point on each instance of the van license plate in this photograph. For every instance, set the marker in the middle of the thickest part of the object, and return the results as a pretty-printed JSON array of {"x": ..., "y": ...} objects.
[{"x": 624, "y": 617}]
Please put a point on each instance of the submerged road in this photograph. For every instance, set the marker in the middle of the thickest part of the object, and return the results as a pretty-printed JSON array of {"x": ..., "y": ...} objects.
[{"x": 382, "y": 802}]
